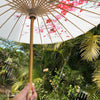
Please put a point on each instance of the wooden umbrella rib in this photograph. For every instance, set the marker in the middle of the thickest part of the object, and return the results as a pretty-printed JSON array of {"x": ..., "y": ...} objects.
[
  {"x": 28, "y": 3},
  {"x": 22, "y": 29},
  {"x": 39, "y": 3},
  {"x": 35, "y": 2},
  {"x": 14, "y": 3},
  {"x": 79, "y": 17},
  {"x": 47, "y": 29},
  {"x": 62, "y": 25},
  {"x": 13, "y": 27},
  {"x": 56, "y": 29},
  {"x": 32, "y": 1},
  {"x": 5, "y": 11},
  {"x": 43, "y": 5},
  {"x": 21, "y": 4},
  {"x": 46, "y": 6},
  {"x": 8, "y": 4},
  {"x": 22, "y": 1},
  {"x": 42, "y": 2},
  {"x": 8, "y": 19},
  {"x": 17, "y": 4},
  {"x": 70, "y": 21},
  {"x": 79, "y": 8},
  {"x": 39, "y": 30},
  {"x": 25, "y": 2},
  {"x": 17, "y": 1},
  {"x": 93, "y": 1}
]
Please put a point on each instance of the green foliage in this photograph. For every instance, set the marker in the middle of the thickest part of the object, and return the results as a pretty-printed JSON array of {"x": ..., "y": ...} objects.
[
  {"x": 90, "y": 47},
  {"x": 96, "y": 74},
  {"x": 64, "y": 83},
  {"x": 84, "y": 67},
  {"x": 62, "y": 86},
  {"x": 3, "y": 71},
  {"x": 96, "y": 95},
  {"x": 3, "y": 97},
  {"x": 16, "y": 86},
  {"x": 20, "y": 76},
  {"x": 93, "y": 92},
  {"x": 42, "y": 93}
]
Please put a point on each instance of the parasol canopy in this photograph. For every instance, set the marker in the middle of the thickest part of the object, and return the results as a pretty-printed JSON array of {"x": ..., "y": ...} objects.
[{"x": 55, "y": 20}]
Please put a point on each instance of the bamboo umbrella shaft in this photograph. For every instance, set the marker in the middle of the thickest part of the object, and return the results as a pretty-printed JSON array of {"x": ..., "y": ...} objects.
[{"x": 31, "y": 52}]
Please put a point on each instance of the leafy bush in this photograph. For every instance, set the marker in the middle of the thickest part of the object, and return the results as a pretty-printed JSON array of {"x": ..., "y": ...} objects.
[{"x": 64, "y": 85}]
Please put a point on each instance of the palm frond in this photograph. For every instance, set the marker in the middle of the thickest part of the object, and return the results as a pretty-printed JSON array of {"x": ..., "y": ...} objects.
[
  {"x": 16, "y": 86},
  {"x": 23, "y": 72},
  {"x": 90, "y": 48}
]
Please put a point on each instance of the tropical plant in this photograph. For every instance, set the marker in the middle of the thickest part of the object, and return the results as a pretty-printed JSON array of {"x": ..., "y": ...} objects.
[
  {"x": 96, "y": 74},
  {"x": 90, "y": 47},
  {"x": 20, "y": 77},
  {"x": 64, "y": 84}
]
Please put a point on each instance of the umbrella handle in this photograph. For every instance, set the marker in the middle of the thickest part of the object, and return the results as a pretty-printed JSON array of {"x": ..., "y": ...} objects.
[
  {"x": 31, "y": 52},
  {"x": 31, "y": 57},
  {"x": 29, "y": 95}
]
